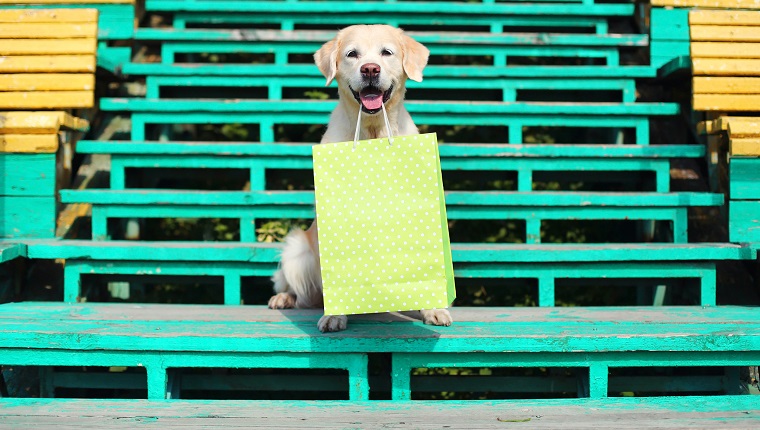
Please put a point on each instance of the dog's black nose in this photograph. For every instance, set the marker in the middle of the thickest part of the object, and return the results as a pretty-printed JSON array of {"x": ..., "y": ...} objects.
[{"x": 370, "y": 70}]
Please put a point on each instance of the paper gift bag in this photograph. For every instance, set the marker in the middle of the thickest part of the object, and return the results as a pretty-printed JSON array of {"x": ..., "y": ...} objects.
[{"x": 383, "y": 235}]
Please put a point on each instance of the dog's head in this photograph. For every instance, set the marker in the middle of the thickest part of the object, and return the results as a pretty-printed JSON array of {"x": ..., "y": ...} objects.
[{"x": 371, "y": 63}]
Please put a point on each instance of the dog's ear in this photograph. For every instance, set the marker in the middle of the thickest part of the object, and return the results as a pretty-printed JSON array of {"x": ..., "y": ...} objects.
[
  {"x": 415, "y": 58},
  {"x": 326, "y": 59}
]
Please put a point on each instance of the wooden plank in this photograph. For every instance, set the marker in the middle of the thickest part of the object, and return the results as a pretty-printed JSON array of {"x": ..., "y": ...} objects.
[
  {"x": 725, "y": 50},
  {"x": 464, "y": 150},
  {"x": 726, "y": 4},
  {"x": 742, "y": 126},
  {"x": 453, "y": 198},
  {"x": 46, "y": 99},
  {"x": 31, "y": 175},
  {"x": 29, "y": 143},
  {"x": 27, "y": 217},
  {"x": 669, "y": 24},
  {"x": 744, "y": 175},
  {"x": 744, "y": 221},
  {"x": 724, "y": 17},
  {"x": 48, "y": 15},
  {"x": 48, "y": 64},
  {"x": 47, "y": 30},
  {"x": 480, "y": 253},
  {"x": 401, "y": 8},
  {"x": 45, "y": 122},
  {"x": 527, "y": 330},
  {"x": 469, "y": 108},
  {"x": 749, "y": 147},
  {"x": 685, "y": 412},
  {"x": 726, "y": 85},
  {"x": 317, "y": 37},
  {"x": 726, "y": 67},
  {"x": 431, "y": 71},
  {"x": 47, "y": 82},
  {"x": 726, "y": 102},
  {"x": 48, "y": 46},
  {"x": 723, "y": 33}
]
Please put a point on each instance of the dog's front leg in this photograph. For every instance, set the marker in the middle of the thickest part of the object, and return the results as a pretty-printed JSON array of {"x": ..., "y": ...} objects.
[
  {"x": 436, "y": 317},
  {"x": 331, "y": 323}
]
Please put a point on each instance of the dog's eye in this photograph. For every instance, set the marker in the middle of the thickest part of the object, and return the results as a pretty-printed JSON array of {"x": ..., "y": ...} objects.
[
  {"x": 352, "y": 54},
  {"x": 386, "y": 52}
]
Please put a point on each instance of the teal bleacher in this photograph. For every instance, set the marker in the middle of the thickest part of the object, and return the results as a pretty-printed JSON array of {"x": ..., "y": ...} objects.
[{"x": 541, "y": 128}]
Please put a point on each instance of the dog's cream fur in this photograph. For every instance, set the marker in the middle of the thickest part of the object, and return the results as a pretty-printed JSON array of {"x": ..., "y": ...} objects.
[{"x": 298, "y": 283}]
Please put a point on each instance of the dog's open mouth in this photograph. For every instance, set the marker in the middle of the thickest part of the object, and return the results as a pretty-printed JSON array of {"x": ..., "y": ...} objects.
[{"x": 372, "y": 98}]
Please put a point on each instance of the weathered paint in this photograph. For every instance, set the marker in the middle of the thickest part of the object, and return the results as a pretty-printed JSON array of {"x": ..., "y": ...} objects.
[{"x": 731, "y": 412}]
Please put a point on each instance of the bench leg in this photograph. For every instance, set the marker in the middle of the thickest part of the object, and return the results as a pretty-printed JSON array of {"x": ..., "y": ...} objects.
[
  {"x": 258, "y": 178},
  {"x": 533, "y": 230},
  {"x": 72, "y": 282},
  {"x": 680, "y": 226},
  {"x": 515, "y": 132},
  {"x": 401, "y": 378},
  {"x": 642, "y": 132},
  {"x": 708, "y": 288},
  {"x": 598, "y": 380},
  {"x": 266, "y": 132},
  {"x": 546, "y": 291},
  {"x": 232, "y": 295},
  {"x": 524, "y": 180},
  {"x": 99, "y": 223},
  {"x": 358, "y": 378},
  {"x": 158, "y": 382},
  {"x": 247, "y": 229}
]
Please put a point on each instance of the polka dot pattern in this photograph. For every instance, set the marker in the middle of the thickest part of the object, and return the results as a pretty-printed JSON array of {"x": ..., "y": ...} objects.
[{"x": 382, "y": 226}]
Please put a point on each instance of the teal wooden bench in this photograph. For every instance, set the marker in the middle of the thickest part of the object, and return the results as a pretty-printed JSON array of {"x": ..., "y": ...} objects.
[
  {"x": 164, "y": 338},
  {"x": 525, "y": 160},
  {"x": 744, "y": 206},
  {"x": 531, "y": 207},
  {"x": 441, "y": 15},
  {"x": 501, "y": 47},
  {"x": 545, "y": 263},
  {"x": 511, "y": 81},
  {"x": 267, "y": 113},
  {"x": 695, "y": 412}
]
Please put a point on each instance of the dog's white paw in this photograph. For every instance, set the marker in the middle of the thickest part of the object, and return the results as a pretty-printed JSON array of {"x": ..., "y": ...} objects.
[
  {"x": 436, "y": 317},
  {"x": 282, "y": 301},
  {"x": 331, "y": 323}
]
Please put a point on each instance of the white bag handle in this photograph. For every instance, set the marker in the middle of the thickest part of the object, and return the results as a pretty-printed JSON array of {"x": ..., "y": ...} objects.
[{"x": 387, "y": 126}]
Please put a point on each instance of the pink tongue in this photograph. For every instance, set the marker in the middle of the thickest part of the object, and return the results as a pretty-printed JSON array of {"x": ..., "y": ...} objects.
[{"x": 372, "y": 101}]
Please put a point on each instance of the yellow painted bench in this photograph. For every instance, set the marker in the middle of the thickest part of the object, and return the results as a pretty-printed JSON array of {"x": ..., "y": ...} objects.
[
  {"x": 743, "y": 133},
  {"x": 47, "y": 58},
  {"x": 725, "y": 52}
]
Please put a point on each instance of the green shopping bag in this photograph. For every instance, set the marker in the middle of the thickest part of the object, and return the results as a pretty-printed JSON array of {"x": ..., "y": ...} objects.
[{"x": 383, "y": 235}]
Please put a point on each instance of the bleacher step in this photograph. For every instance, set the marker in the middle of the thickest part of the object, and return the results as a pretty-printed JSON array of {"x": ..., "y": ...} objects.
[{"x": 730, "y": 412}]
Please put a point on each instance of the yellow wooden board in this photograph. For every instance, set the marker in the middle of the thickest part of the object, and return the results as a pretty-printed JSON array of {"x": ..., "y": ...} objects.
[
  {"x": 725, "y": 50},
  {"x": 721, "y": 85},
  {"x": 47, "y": 30},
  {"x": 29, "y": 143},
  {"x": 724, "y": 33},
  {"x": 47, "y": 82},
  {"x": 726, "y": 102},
  {"x": 28, "y": 123},
  {"x": 48, "y": 46},
  {"x": 745, "y": 147},
  {"x": 747, "y": 127},
  {"x": 727, "y": 4},
  {"x": 48, "y": 15},
  {"x": 47, "y": 63},
  {"x": 724, "y": 17},
  {"x": 725, "y": 67},
  {"x": 46, "y": 99}
]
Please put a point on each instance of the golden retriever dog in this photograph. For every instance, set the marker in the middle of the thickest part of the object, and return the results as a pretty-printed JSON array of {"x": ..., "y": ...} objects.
[{"x": 371, "y": 64}]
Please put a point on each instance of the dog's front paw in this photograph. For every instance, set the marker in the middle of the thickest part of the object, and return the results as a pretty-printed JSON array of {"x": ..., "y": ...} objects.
[
  {"x": 282, "y": 301},
  {"x": 331, "y": 323},
  {"x": 436, "y": 317}
]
